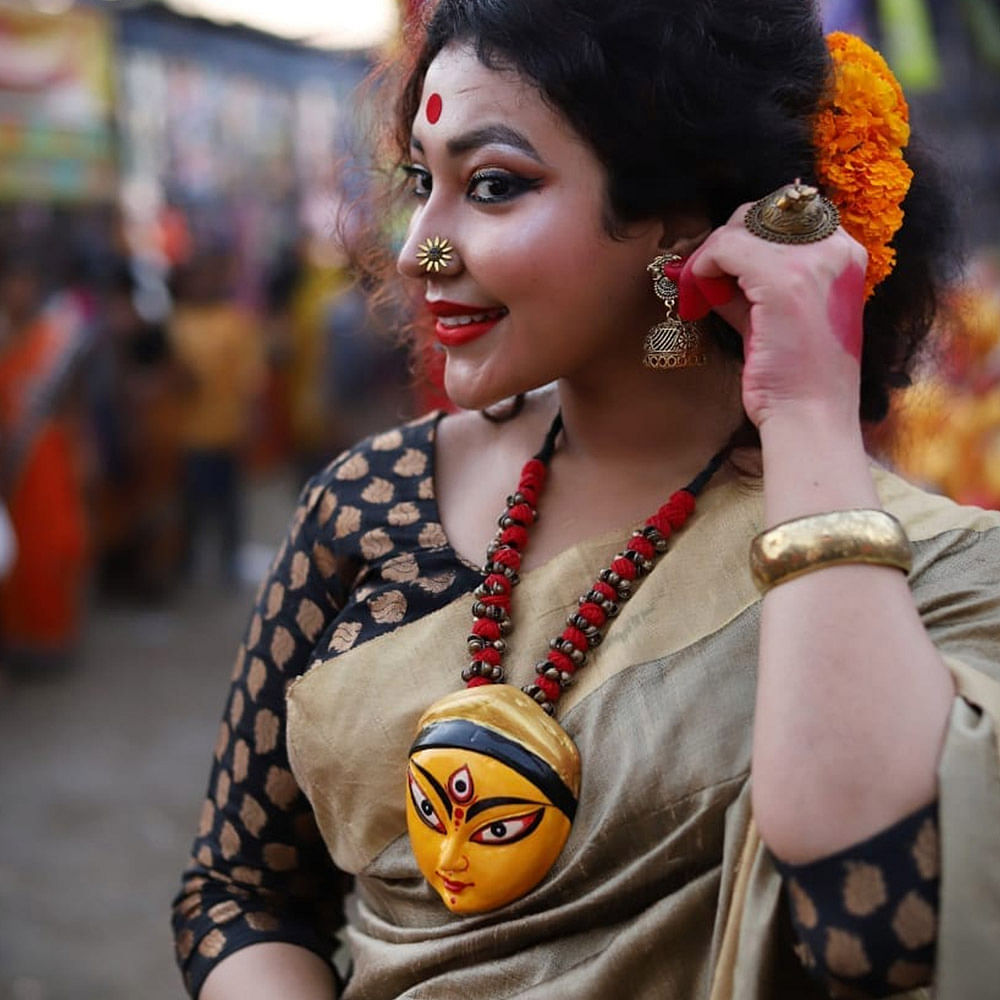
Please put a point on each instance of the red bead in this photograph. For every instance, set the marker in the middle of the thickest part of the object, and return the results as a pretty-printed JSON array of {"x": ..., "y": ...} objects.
[
  {"x": 593, "y": 613},
  {"x": 486, "y": 629},
  {"x": 561, "y": 661},
  {"x": 625, "y": 568},
  {"x": 477, "y": 682},
  {"x": 643, "y": 546},
  {"x": 605, "y": 590},
  {"x": 497, "y": 601},
  {"x": 498, "y": 580},
  {"x": 575, "y": 636},
  {"x": 490, "y": 656},
  {"x": 551, "y": 688},
  {"x": 534, "y": 468},
  {"x": 515, "y": 535},
  {"x": 508, "y": 558},
  {"x": 522, "y": 513},
  {"x": 662, "y": 525},
  {"x": 530, "y": 492}
]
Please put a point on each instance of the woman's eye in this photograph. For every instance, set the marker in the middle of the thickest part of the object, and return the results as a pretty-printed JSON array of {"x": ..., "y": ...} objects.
[
  {"x": 507, "y": 831},
  {"x": 490, "y": 187},
  {"x": 420, "y": 181},
  {"x": 423, "y": 806}
]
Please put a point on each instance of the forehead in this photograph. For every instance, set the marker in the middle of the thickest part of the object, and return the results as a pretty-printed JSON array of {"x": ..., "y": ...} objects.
[
  {"x": 463, "y": 94},
  {"x": 489, "y": 775}
]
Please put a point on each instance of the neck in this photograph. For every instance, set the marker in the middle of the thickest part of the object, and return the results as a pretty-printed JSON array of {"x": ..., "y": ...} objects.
[{"x": 674, "y": 419}]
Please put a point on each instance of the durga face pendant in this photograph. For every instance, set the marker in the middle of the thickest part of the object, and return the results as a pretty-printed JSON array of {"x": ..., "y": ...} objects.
[{"x": 492, "y": 787}]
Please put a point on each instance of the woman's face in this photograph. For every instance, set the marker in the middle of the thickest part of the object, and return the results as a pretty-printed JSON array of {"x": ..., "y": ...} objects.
[{"x": 536, "y": 289}]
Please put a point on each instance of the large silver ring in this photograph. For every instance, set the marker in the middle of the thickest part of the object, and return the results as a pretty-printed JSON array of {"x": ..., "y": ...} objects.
[{"x": 796, "y": 213}]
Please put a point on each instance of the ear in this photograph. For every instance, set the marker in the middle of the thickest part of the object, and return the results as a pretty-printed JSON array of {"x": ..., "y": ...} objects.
[{"x": 683, "y": 232}]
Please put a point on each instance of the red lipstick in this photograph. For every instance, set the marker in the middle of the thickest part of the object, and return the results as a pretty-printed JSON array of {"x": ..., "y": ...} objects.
[
  {"x": 476, "y": 321},
  {"x": 455, "y": 887}
]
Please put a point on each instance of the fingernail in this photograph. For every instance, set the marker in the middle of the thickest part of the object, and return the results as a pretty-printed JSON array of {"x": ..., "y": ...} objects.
[
  {"x": 673, "y": 271},
  {"x": 691, "y": 304},
  {"x": 717, "y": 291}
]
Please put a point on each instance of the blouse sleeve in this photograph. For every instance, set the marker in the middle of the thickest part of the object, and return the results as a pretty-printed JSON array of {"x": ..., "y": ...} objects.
[
  {"x": 920, "y": 902},
  {"x": 259, "y": 870}
]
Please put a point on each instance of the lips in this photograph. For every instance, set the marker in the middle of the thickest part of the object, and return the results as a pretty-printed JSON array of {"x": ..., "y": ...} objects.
[
  {"x": 455, "y": 887},
  {"x": 460, "y": 323}
]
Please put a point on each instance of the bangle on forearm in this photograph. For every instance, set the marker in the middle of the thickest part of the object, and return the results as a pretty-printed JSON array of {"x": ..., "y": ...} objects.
[{"x": 804, "y": 544}]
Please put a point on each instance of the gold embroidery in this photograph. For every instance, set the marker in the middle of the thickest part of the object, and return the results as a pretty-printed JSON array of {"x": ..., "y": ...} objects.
[
  {"x": 845, "y": 954},
  {"x": 915, "y": 923},
  {"x": 864, "y": 889}
]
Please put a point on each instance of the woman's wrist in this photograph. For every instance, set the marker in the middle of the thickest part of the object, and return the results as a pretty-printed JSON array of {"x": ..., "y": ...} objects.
[{"x": 814, "y": 461}]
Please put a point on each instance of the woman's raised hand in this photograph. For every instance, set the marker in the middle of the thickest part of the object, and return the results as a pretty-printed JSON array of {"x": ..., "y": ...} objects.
[{"x": 798, "y": 308}]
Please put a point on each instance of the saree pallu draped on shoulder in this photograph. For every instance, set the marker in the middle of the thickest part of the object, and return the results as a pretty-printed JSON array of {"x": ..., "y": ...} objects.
[{"x": 643, "y": 894}]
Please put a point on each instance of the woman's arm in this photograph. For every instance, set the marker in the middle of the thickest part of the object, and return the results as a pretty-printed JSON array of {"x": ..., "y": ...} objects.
[
  {"x": 852, "y": 697},
  {"x": 269, "y": 970}
]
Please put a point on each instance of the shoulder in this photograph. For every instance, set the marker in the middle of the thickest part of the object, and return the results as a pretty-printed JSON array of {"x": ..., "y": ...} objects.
[{"x": 925, "y": 515}]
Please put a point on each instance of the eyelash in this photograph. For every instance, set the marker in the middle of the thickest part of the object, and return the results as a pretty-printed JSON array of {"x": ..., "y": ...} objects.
[{"x": 517, "y": 185}]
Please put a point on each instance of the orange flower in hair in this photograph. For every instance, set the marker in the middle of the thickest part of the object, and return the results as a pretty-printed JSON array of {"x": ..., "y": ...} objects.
[{"x": 859, "y": 138}]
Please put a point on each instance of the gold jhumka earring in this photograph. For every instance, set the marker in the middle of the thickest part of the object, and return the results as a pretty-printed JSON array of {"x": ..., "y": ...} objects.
[{"x": 673, "y": 343}]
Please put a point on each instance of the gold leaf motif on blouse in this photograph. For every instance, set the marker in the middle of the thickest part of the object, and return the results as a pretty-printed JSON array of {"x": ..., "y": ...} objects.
[
  {"x": 299, "y": 573},
  {"x": 239, "y": 663},
  {"x": 379, "y": 490},
  {"x": 309, "y": 619},
  {"x": 388, "y": 608},
  {"x": 802, "y": 905},
  {"x": 275, "y": 598},
  {"x": 222, "y": 786},
  {"x": 864, "y": 889},
  {"x": 403, "y": 514},
  {"x": 345, "y": 635},
  {"x": 229, "y": 840},
  {"x": 325, "y": 560},
  {"x": 401, "y": 569},
  {"x": 926, "y": 850},
  {"x": 256, "y": 677},
  {"x": 432, "y": 536},
  {"x": 356, "y": 467},
  {"x": 280, "y": 787},
  {"x": 265, "y": 731},
  {"x": 212, "y": 944},
  {"x": 375, "y": 543},
  {"x": 221, "y": 740},
  {"x": 327, "y": 506},
  {"x": 907, "y": 975},
  {"x": 252, "y": 815},
  {"x": 241, "y": 760},
  {"x": 242, "y": 875},
  {"x": 845, "y": 954},
  {"x": 348, "y": 521},
  {"x": 426, "y": 489},
  {"x": 223, "y": 912},
  {"x": 388, "y": 441},
  {"x": 282, "y": 646},
  {"x": 207, "y": 818},
  {"x": 185, "y": 942},
  {"x": 411, "y": 463},
  {"x": 915, "y": 922},
  {"x": 436, "y": 584},
  {"x": 253, "y": 636},
  {"x": 236, "y": 708},
  {"x": 262, "y": 921}
]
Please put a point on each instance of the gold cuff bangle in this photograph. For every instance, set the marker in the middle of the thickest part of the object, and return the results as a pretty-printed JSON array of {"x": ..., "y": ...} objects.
[{"x": 804, "y": 544}]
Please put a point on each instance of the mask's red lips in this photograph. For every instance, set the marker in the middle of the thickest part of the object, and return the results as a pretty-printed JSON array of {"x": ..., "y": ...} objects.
[{"x": 456, "y": 887}]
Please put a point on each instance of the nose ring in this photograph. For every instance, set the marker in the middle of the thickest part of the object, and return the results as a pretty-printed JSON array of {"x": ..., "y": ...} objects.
[{"x": 434, "y": 254}]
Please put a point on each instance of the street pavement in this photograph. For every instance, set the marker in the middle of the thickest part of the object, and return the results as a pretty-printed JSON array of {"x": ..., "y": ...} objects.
[{"x": 102, "y": 773}]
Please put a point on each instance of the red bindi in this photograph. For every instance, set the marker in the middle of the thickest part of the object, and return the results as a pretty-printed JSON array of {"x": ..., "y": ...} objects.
[{"x": 434, "y": 108}]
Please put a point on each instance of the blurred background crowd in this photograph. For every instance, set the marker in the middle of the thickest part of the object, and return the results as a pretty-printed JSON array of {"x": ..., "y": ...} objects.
[{"x": 182, "y": 343}]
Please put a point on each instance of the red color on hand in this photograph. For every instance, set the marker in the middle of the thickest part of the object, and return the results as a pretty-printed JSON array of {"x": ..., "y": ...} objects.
[{"x": 846, "y": 309}]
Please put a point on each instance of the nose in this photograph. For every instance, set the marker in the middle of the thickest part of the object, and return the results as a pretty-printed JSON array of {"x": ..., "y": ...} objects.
[
  {"x": 452, "y": 857},
  {"x": 429, "y": 253}
]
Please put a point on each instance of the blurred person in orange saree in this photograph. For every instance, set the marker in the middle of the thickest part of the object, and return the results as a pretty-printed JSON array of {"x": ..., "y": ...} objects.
[{"x": 41, "y": 475}]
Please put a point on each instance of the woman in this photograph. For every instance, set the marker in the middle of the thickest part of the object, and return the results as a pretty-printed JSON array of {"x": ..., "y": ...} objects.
[{"x": 557, "y": 150}]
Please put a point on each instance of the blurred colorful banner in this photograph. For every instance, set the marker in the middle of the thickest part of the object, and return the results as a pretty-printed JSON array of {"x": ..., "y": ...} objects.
[{"x": 56, "y": 96}]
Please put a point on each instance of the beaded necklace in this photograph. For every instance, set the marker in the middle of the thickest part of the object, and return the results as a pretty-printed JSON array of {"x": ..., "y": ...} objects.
[{"x": 493, "y": 781}]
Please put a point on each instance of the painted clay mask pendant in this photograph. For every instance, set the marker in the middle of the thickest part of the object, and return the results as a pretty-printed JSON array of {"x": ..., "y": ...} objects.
[{"x": 492, "y": 790}]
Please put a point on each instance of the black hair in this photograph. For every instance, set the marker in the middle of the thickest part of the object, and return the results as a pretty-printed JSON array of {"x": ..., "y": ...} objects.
[{"x": 703, "y": 105}]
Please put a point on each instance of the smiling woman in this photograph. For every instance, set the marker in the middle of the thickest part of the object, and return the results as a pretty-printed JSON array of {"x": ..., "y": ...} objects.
[{"x": 555, "y": 801}]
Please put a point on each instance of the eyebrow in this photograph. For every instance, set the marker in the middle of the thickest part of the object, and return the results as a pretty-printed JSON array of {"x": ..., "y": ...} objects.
[
  {"x": 488, "y": 135},
  {"x": 433, "y": 782},
  {"x": 483, "y": 804}
]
